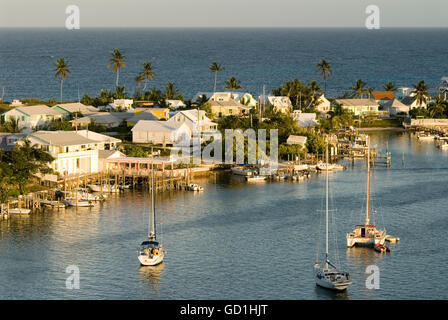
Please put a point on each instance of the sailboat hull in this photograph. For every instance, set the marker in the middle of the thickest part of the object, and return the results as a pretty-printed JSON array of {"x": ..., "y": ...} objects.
[
  {"x": 331, "y": 278},
  {"x": 148, "y": 261}
]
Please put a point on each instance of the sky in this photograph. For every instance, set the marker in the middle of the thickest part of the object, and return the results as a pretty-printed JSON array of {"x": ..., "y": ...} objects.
[{"x": 219, "y": 13}]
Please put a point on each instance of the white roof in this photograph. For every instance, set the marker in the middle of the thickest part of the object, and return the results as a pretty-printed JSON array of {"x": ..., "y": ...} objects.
[
  {"x": 357, "y": 102},
  {"x": 77, "y": 107},
  {"x": 296, "y": 140},
  {"x": 38, "y": 110},
  {"x": 157, "y": 126}
]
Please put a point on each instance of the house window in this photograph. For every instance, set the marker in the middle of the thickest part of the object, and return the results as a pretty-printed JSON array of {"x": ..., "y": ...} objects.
[{"x": 78, "y": 163}]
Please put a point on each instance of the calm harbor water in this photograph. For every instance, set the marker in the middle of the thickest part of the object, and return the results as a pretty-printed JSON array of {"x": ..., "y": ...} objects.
[
  {"x": 240, "y": 241},
  {"x": 256, "y": 57}
]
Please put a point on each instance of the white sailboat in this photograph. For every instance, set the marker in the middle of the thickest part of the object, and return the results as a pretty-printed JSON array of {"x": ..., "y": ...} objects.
[
  {"x": 151, "y": 252},
  {"x": 366, "y": 234},
  {"x": 326, "y": 274}
]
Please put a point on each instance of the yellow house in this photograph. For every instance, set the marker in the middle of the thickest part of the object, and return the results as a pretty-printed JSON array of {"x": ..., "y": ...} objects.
[{"x": 161, "y": 113}]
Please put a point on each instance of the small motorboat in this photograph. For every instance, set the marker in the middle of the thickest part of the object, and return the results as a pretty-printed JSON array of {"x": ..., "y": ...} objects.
[
  {"x": 195, "y": 187},
  {"x": 256, "y": 178},
  {"x": 381, "y": 248},
  {"x": 20, "y": 211}
]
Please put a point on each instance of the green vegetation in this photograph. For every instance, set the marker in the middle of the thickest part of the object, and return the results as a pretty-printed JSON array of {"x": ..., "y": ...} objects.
[
  {"x": 62, "y": 72},
  {"x": 116, "y": 62},
  {"x": 325, "y": 71},
  {"x": 421, "y": 92},
  {"x": 233, "y": 84},
  {"x": 390, "y": 123},
  {"x": 18, "y": 168},
  {"x": 215, "y": 68},
  {"x": 10, "y": 126}
]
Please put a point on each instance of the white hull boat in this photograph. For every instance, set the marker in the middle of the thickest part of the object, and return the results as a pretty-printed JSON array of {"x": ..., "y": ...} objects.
[
  {"x": 366, "y": 234},
  {"x": 77, "y": 203},
  {"x": 195, "y": 187},
  {"x": 23, "y": 211},
  {"x": 256, "y": 179},
  {"x": 426, "y": 137},
  {"x": 330, "y": 278},
  {"x": 151, "y": 252},
  {"x": 242, "y": 171},
  {"x": 104, "y": 188},
  {"x": 52, "y": 204},
  {"x": 327, "y": 275}
]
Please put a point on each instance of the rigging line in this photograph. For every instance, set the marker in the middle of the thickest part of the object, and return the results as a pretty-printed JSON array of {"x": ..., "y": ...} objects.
[{"x": 333, "y": 218}]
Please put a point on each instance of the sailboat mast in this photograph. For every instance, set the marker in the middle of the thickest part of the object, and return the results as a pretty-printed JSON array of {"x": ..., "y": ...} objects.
[
  {"x": 326, "y": 208},
  {"x": 368, "y": 183},
  {"x": 152, "y": 234}
]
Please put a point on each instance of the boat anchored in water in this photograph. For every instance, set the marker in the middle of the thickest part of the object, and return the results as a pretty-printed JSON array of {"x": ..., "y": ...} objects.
[
  {"x": 326, "y": 274},
  {"x": 366, "y": 234},
  {"x": 151, "y": 252}
]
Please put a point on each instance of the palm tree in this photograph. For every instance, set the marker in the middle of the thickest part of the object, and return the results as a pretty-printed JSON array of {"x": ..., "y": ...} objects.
[
  {"x": 390, "y": 87},
  {"x": 437, "y": 107},
  {"x": 369, "y": 91},
  {"x": 325, "y": 71},
  {"x": 147, "y": 73},
  {"x": 116, "y": 62},
  {"x": 215, "y": 68},
  {"x": 358, "y": 89},
  {"x": 421, "y": 92},
  {"x": 62, "y": 72},
  {"x": 171, "y": 92},
  {"x": 233, "y": 84}
]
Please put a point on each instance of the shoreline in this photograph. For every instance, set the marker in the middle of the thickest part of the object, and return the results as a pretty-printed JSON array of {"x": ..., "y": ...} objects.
[{"x": 397, "y": 129}]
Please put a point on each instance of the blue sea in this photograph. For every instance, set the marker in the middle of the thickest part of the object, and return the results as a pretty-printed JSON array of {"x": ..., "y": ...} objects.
[{"x": 256, "y": 57}]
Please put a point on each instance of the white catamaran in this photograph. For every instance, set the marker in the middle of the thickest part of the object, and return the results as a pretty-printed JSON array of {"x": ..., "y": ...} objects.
[
  {"x": 326, "y": 274},
  {"x": 151, "y": 252},
  {"x": 366, "y": 234}
]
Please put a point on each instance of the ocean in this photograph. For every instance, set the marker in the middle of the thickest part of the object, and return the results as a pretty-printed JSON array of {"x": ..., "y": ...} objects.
[{"x": 256, "y": 57}]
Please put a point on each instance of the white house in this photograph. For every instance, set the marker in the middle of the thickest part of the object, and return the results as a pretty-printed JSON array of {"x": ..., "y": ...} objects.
[
  {"x": 107, "y": 119},
  {"x": 121, "y": 104},
  {"x": 305, "y": 119},
  {"x": 31, "y": 117},
  {"x": 74, "y": 151},
  {"x": 68, "y": 109},
  {"x": 411, "y": 102},
  {"x": 395, "y": 107},
  {"x": 224, "y": 104},
  {"x": 359, "y": 106},
  {"x": 301, "y": 140},
  {"x": 104, "y": 155},
  {"x": 280, "y": 103},
  {"x": 323, "y": 104},
  {"x": 160, "y": 132},
  {"x": 191, "y": 119},
  {"x": 403, "y": 92},
  {"x": 175, "y": 104}
]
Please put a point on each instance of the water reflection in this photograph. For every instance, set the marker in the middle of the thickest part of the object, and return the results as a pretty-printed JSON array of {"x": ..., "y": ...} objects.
[
  {"x": 152, "y": 275},
  {"x": 322, "y": 293}
]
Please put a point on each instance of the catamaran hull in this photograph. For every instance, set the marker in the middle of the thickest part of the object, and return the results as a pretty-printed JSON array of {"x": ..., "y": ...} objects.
[
  {"x": 147, "y": 261},
  {"x": 364, "y": 242}
]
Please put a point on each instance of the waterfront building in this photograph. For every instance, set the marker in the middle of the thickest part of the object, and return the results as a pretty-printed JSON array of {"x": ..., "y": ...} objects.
[
  {"x": 323, "y": 104},
  {"x": 31, "y": 117},
  {"x": 224, "y": 104},
  {"x": 16, "y": 103},
  {"x": 145, "y": 115},
  {"x": 160, "y": 113},
  {"x": 74, "y": 151},
  {"x": 175, "y": 104},
  {"x": 411, "y": 102},
  {"x": 68, "y": 110},
  {"x": 301, "y": 140},
  {"x": 359, "y": 106},
  {"x": 120, "y": 104},
  {"x": 160, "y": 132},
  {"x": 305, "y": 119},
  {"x": 443, "y": 87},
  {"x": 383, "y": 96},
  {"x": 395, "y": 107},
  {"x": 280, "y": 103},
  {"x": 104, "y": 156},
  {"x": 193, "y": 119},
  {"x": 107, "y": 119},
  {"x": 9, "y": 140},
  {"x": 248, "y": 100},
  {"x": 403, "y": 92}
]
